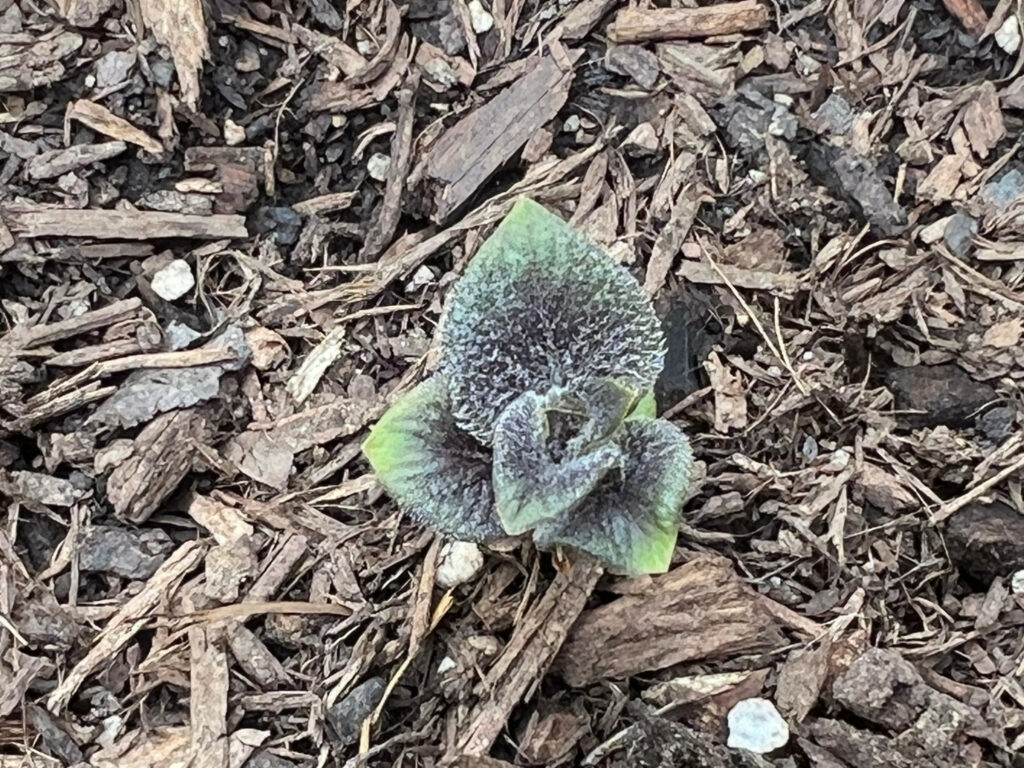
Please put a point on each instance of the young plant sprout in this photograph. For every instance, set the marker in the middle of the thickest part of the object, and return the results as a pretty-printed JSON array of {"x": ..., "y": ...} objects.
[{"x": 540, "y": 418}]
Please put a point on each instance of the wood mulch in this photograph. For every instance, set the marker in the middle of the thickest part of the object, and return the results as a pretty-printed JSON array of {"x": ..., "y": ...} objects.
[{"x": 227, "y": 230}]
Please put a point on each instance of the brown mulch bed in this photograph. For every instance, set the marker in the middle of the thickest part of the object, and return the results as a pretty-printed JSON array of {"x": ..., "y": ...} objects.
[{"x": 227, "y": 230}]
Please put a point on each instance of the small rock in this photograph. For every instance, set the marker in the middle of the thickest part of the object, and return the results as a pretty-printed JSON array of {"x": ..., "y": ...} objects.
[
  {"x": 783, "y": 123},
  {"x": 757, "y": 726},
  {"x": 959, "y": 233},
  {"x": 757, "y": 176},
  {"x": 747, "y": 114},
  {"x": 441, "y": 72},
  {"x": 997, "y": 423},
  {"x": 571, "y": 124},
  {"x": 283, "y": 222},
  {"x": 449, "y": 33},
  {"x": 125, "y": 552},
  {"x": 377, "y": 166},
  {"x": 479, "y": 17},
  {"x": 944, "y": 394},
  {"x": 642, "y": 140},
  {"x": 1004, "y": 335},
  {"x": 228, "y": 566},
  {"x": 1000, "y": 193},
  {"x": 864, "y": 187},
  {"x": 180, "y": 335},
  {"x": 346, "y": 717},
  {"x": 987, "y": 540},
  {"x": 269, "y": 349},
  {"x": 55, "y": 740},
  {"x": 234, "y": 134},
  {"x": 362, "y": 387},
  {"x": 834, "y": 115},
  {"x": 1007, "y": 36},
  {"x": 421, "y": 277},
  {"x": 112, "y": 68},
  {"x": 248, "y": 58},
  {"x": 635, "y": 62},
  {"x": 1017, "y": 582},
  {"x": 460, "y": 562},
  {"x": 163, "y": 72},
  {"x": 44, "y": 489},
  {"x": 173, "y": 201},
  {"x": 173, "y": 281}
]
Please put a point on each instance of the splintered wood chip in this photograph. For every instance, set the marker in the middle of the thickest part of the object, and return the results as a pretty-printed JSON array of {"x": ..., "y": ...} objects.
[
  {"x": 39, "y": 488},
  {"x": 730, "y": 394},
  {"x": 700, "y": 610},
  {"x": 120, "y": 225},
  {"x": 208, "y": 699},
  {"x": 265, "y": 452},
  {"x": 161, "y": 457},
  {"x": 179, "y": 24},
  {"x": 637, "y": 25},
  {"x": 801, "y": 678},
  {"x": 102, "y": 120},
  {"x": 535, "y": 641},
  {"x": 57, "y": 162},
  {"x": 1004, "y": 334},
  {"x": 129, "y": 620},
  {"x": 40, "y": 63},
  {"x": 693, "y": 688},
  {"x": 970, "y": 13},
  {"x": 983, "y": 120},
  {"x": 468, "y": 153}
]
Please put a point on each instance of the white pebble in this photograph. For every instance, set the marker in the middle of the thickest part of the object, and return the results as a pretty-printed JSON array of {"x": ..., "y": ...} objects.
[
  {"x": 377, "y": 166},
  {"x": 234, "y": 134},
  {"x": 757, "y": 726},
  {"x": 1017, "y": 582},
  {"x": 460, "y": 561},
  {"x": 481, "y": 20},
  {"x": 1007, "y": 36},
  {"x": 447, "y": 664},
  {"x": 421, "y": 277},
  {"x": 173, "y": 281}
]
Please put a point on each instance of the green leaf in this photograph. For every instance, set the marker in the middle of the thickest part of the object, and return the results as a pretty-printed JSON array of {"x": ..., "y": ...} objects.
[
  {"x": 538, "y": 475},
  {"x": 541, "y": 306},
  {"x": 630, "y": 522},
  {"x": 436, "y": 472},
  {"x": 646, "y": 408},
  {"x": 606, "y": 403}
]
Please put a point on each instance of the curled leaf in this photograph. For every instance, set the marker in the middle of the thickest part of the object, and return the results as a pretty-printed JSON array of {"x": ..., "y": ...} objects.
[
  {"x": 629, "y": 522},
  {"x": 646, "y": 408},
  {"x": 439, "y": 474},
  {"x": 540, "y": 306},
  {"x": 606, "y": 404},
  {"x": 538, "y": 473}
]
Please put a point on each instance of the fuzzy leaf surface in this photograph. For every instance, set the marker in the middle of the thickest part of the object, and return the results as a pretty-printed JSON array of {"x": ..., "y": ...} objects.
[
  {"x": 541, "y": 306},
  {"x": 437, "y": 473},
  {"x": 630, "y": 521},
  {"x": 537, "y": 475}
]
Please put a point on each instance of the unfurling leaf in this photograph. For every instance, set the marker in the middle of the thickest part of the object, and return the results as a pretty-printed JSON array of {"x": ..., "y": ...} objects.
[
  {"x": 541, "y": 418},
  {"x": 606, "y": 403},
  {"x": 630, "y": 520},
  {"x": 645, "y": 408},
  {"x": 439, "y": 474},
  {"x": 539, "y": 474},
  {"x": 540, "y": 306}
]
